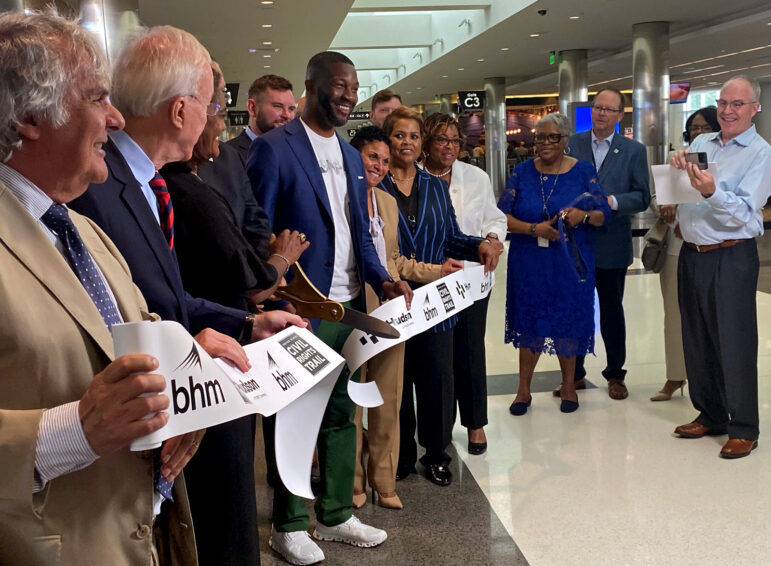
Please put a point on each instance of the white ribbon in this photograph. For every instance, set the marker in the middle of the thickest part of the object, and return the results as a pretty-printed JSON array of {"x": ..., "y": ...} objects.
[
  {"x": 292, "y": 375},
  {"x": 431, "y": 304},
  {"x": 204, "y": 392}
]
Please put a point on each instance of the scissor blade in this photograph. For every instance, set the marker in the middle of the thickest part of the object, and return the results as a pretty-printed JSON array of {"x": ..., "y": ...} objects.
[{"x": 369, "y": 324}]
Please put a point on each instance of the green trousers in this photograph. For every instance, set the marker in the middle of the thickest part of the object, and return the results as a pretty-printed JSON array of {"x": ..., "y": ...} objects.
[{"x": 337, "y": 451}]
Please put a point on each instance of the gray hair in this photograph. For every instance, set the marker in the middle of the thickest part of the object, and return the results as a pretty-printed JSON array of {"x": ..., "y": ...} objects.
[
  {"x": 43, "y": 59},
  {"x": 559, "y": 120},
  {"x": 156, "y": 65},
  {"x": 754, "y": 85}
]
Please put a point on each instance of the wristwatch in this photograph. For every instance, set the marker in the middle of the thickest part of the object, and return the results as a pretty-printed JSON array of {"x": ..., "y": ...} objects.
[
  {"x": 492, "y": 235},
  {"x": 246, "y": 331},
  {"x": 586, "y": 218}
]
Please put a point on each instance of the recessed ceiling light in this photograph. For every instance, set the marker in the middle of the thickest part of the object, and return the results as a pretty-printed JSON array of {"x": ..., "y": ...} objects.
[
  {"x": 535, "y": 35},
  {"x": 267, "y": 43},
  {"x": 504, "y": 48},
  {"x": 574, "y": 17},
  {"x": 252, "y": 51},
  {"x": 444, "y": 76},
  {"x": 267, "y": 56},
  {"x": 461, "y": 68},
  {"x": 419, "y": 88},
  {"x": 480, "y": 60},
  {"x": 267, "y": 25},
  {"x": 267, "y": 2},
  {"x": 409, "y": 92},
  {"x": 266, "y": 66}
]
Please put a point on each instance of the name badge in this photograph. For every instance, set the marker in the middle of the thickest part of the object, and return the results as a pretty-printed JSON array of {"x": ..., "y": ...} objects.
[{"x": 543, "y": 242}]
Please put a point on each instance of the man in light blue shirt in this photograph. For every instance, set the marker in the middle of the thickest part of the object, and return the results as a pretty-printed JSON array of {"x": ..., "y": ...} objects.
[{"x": 718, "y": 272}]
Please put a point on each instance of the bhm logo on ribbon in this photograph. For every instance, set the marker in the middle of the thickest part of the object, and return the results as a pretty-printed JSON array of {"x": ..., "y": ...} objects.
[{"x": 206, "y": 393}]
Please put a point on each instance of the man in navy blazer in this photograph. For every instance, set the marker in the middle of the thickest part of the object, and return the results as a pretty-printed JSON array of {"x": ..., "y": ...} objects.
[
  {"x": 308, "y": 179},
  {"x": 165, "y": 108},
  {"x": 623, "y": 172}
]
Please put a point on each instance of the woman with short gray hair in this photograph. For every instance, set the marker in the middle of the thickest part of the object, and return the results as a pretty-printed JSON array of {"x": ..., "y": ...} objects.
[{"x": 550, "y": 293}]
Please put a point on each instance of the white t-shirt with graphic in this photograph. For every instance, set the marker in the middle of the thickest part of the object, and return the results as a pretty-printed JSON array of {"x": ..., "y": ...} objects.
[{"x": 345, "y": 280}]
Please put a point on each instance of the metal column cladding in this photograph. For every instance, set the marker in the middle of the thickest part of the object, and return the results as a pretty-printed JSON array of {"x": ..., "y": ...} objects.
[
  {"x": 571, "y": 76},
  {"x": 495, "y": 132},
  {"x": 650, "y": 87}
]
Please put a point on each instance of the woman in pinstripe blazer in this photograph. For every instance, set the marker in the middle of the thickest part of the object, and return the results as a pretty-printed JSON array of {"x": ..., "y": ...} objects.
[{"x": 428, "y": 232}]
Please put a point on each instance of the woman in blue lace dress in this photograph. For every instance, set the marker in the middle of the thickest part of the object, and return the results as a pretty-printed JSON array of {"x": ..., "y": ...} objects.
[{"x": 550, "y": 286}]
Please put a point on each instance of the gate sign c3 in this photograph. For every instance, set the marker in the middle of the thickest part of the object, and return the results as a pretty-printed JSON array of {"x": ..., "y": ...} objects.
[{"x": 471, "y": 101}]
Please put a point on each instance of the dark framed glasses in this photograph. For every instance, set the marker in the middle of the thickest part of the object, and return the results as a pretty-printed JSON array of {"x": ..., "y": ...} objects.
[{"x": 548, "y": 138}]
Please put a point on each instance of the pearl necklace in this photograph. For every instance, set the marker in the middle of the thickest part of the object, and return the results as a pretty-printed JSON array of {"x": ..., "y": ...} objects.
[{"x": 440, "y": 175}]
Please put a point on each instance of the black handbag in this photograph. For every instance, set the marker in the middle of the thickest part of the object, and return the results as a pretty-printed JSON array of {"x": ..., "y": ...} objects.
[{"x": 654, "y": 252}]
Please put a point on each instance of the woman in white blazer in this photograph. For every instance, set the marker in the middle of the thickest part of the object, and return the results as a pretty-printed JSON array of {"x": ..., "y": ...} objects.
[{"x": 474, "y": 202}]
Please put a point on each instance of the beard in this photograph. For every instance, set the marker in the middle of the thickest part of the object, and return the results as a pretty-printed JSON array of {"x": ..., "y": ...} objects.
[{"x": 325, "y": 103}]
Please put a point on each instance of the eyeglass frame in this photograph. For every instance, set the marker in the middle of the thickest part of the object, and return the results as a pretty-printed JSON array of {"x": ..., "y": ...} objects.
[
  {"x": 444, "y": 141},
  {"x": 735, "y": 105},
  {"x": 549, "y": 138},
  {"x": 607, "y": 109},
  {"x": 216, "y": 105}
]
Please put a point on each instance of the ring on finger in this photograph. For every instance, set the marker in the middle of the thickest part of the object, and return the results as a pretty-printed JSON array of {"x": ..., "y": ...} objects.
[{"x": 302, "y": 238}]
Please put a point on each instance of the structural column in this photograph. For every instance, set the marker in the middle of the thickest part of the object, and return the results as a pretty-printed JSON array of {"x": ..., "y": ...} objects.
[
  {"x": 572, "y": 79},
  {"x": 11, "y": 5},
  {"x": 650, "y": 88},
  {"x": 445, "y": 105},
  {"x": 495, "y": 132},
  {"x": 111, "y": 22}
]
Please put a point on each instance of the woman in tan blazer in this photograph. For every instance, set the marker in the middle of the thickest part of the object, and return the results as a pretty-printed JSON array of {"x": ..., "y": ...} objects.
[{"x": 385, "y": 369}]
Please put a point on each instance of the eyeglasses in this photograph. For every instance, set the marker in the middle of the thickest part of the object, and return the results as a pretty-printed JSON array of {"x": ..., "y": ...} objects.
[
  {"x": 551, "y": 138},
  {"x": 605, "y": 109},
  {"x": 443, "y": 141},
  {"x": 706, "y": 128},
  {"x": 213, "y": 109},
  {"x": 734, "y": 104}
]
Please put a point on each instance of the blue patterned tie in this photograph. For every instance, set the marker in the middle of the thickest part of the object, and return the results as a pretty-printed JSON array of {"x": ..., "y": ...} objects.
[{"x": 58, "y": 220}]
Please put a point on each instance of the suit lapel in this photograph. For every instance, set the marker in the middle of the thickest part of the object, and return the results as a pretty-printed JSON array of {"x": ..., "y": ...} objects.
[
  {"x": 22, "y": 235},
  {"x": 301, "y": 146},
  {"x": 614, "y": 156},
  {"x": 131, "y": 194}
]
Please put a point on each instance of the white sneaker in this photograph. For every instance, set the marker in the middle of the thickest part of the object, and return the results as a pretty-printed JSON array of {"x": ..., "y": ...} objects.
[
  {"x": 353, "y": 532},
  {"x": 296, "y": 547}
]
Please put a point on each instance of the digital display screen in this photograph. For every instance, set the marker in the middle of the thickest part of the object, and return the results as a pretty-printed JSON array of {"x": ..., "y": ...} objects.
[{"x": 678, "y": 92}]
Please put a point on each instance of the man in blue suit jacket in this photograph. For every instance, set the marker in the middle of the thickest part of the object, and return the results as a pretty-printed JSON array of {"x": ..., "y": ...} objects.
[
  {"x": 308, "y": 179},
  {"x": 622, "y": 168}
]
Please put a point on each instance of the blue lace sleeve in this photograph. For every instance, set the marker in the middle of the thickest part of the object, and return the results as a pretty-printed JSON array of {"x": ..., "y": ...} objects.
[{"x": 509, "y": 195}]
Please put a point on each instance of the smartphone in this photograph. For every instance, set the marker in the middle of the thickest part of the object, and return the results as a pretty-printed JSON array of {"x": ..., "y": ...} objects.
[{"x": 699, "y": 158}]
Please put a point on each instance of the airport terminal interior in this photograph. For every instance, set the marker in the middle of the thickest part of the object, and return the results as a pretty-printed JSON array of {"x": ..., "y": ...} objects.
[{"x": 609, "y": 484}]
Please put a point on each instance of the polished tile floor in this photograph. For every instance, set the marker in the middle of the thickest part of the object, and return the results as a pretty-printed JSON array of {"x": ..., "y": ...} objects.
[{"x": 607, "y": 485}]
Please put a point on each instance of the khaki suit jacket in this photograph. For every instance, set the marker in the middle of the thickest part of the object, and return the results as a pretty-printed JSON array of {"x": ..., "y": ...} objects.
[{"x": 52, "y": 342}]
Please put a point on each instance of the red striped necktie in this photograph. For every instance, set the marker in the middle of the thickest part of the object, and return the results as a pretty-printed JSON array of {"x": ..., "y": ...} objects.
[{"x": 165, "y": 210}]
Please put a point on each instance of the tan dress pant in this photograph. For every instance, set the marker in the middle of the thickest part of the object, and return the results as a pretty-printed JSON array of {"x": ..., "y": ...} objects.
[
  {"x": 673, "y": 336},
  {"x": 387, "y": 370}
]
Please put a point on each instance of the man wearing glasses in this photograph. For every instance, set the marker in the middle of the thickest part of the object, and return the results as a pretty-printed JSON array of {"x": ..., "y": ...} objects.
[
  {"x": 622, "y": 169},
  {"x": 718, "y": 272}
]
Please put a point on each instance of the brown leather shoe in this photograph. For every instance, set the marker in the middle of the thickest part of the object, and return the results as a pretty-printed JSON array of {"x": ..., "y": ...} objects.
[
  {"x": 738, "y": 448},
  {"x": 579, "y": 384},
  {"x": 617, "y": 390},
  {"x": 695, "y": 430}
]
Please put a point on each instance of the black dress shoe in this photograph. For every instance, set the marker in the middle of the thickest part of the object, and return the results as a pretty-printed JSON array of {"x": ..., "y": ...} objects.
[
  {"x": 477, "y": 448},
  {"x": 404, "y": 471},
  {"x": 439, "y": 474}
]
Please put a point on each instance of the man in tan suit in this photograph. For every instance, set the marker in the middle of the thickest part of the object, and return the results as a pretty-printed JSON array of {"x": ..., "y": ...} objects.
[{"x": 68, "y": 409}]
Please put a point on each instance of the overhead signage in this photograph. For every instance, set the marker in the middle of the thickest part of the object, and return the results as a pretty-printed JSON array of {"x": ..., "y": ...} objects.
[
  {"x": 471, "y": 101},
  {"x": 238, "y": 117}
]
